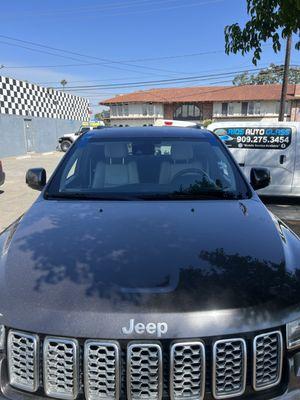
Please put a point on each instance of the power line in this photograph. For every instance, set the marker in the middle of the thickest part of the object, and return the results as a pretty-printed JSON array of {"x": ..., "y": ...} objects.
[
  {"x": 189, "y": 79},
  {"x": 204, "y": 53},
  {"x": 148, "y": 59},
  {"x": 117, "y": 6},
  {"x": 160, "y": 9},
  {"x": 262, "y": 66},
  {"x": 105, "y": 65},
  {"x": 113, "y": 6},
  {"x": 105, "y": 61},
  {"x": 162, "y": 81}
]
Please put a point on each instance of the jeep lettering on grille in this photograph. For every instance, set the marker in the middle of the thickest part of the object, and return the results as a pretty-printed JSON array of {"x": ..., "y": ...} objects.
[{"x": 159, "y": 329}]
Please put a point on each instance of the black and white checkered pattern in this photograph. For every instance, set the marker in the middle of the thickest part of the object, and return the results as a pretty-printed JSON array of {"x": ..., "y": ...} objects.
[{"x": 23, "y": 98}]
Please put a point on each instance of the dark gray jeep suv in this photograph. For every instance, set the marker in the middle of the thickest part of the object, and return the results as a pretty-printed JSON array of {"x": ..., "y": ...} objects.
[{"x": 149, "y": 269}]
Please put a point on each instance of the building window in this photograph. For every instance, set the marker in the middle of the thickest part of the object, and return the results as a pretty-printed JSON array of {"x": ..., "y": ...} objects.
[
  {"x": 188, "y": 111},
  {"x": 119, "y": 110},
  {"x": 224, "y": 108},
  {"x": 250, "y": 108},
  {"x": 244, "y": 108},
  {"x": 113, "y": 110},
  {"x": 287, "y": 107},
  {"x": 257, "y": 108},
  {"x": 230, "y": 109},
  {"x": 126, "y": 110},
  {"x": 145, "y": 110},
  {"x": 150, "y": 109}
]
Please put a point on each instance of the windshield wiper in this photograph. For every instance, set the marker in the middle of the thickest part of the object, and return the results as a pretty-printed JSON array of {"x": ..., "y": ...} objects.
[
  {"x": 204, "y": 195},
  {"x": 180, "y": 195},
  {"x": 87, "y": 196}
]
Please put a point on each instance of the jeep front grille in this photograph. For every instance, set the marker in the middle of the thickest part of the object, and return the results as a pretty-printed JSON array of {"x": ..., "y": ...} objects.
[
  {"x": 23, "y": 360},
  {"x": 61, "y": 369},
  {"x": 187, "y": 371},
  {"x": 267, "y": 365},
  {"x": 144, "y": 371},
  {"x": 229, "y": 368},
  {"x": 108, "y": 370},
  {"x": 101, "y": 370}
]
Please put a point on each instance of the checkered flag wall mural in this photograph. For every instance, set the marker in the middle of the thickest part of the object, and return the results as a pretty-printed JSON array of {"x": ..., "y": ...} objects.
[{"x": 23, "y": 98}]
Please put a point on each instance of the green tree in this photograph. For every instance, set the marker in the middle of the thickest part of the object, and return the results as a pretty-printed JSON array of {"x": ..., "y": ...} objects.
[
  {"x": 104, "y": 114},
  {"x": 269, "y": 19},
  {"x": 266, "y": 76},
  {"x": 63, "y": 83},
  {"x": 98, "y": 116}
]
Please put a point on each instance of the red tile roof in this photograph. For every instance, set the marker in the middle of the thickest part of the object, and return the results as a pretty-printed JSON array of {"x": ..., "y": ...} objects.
[{"x": 205, "y": 93}]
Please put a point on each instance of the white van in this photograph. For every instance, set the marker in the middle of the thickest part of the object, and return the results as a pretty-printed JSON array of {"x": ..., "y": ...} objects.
[{"x": 274, "y": 145}]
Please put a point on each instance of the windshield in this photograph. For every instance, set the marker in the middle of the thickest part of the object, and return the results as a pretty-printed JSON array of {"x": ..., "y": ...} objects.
[{"x": 148, "y": 168}]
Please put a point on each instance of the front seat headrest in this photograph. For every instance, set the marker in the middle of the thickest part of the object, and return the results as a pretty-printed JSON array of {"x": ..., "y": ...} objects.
[
  {"x": 116, "y": 150},
  {"x": 182, "y": 151}
]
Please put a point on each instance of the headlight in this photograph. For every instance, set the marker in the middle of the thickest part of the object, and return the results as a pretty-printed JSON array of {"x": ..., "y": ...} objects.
[
  {"x": 2, "y": 337},
  {"x": 293, "y": 334}
]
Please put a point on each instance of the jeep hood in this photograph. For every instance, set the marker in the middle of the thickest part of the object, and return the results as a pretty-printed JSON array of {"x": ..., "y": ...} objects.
[{"x": 82, "y": 264}]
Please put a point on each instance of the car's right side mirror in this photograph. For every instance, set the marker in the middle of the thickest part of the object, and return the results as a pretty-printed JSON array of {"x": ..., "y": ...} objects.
[
  {"x": 36, "y": 178},
  {"x": 260, "y": 178}
]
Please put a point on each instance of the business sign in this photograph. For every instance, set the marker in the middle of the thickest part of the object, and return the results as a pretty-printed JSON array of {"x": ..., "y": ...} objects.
[{"x": 256, "y": 138}]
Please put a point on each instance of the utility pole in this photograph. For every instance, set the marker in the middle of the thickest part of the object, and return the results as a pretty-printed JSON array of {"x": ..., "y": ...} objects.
[{"x": 285, "y": 78}]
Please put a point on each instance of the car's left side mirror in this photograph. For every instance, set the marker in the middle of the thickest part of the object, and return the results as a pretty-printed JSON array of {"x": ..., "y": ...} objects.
[
  {"x": 36, "y": 178},
  {"x": 260, "y": 178}
]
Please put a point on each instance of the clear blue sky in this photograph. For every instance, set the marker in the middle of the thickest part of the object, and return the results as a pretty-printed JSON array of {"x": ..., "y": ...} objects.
[{"x": 125, "y": 32}]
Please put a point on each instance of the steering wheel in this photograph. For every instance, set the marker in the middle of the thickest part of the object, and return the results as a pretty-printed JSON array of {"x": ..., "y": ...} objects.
[{"x": 195, "y": 171}]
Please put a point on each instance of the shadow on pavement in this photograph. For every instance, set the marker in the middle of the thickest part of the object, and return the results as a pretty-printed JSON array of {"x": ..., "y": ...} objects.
[{"x": 293, "y": 201}]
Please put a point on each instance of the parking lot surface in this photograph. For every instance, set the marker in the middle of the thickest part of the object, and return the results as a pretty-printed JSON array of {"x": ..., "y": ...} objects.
[{"x": 16, "y": 197}]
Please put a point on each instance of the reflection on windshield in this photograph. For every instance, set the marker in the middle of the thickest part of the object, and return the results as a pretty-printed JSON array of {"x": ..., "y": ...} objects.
[{"x": 147, "y": 168}]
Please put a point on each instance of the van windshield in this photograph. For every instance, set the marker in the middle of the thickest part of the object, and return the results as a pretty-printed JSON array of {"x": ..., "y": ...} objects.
[{"x": 148, "y": 168}]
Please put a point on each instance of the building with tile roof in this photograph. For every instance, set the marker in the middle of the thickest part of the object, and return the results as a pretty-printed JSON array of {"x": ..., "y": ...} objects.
[{"x": 253, "y": 102}]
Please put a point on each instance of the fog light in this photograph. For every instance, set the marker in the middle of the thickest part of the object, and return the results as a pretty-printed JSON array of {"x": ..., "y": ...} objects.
[
  {"x": 2, "y": 337},
  {"x": 293, "y": 334}
]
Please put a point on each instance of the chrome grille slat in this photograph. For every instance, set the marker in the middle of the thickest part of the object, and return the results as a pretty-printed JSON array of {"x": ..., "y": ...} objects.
[
  {"x": 144, "y": 371},
  {"x": 267, "y": 360},
  {"x": 229, "y": 368},
  {"x": 101, "y": 370},
  {"x": 187, "y": 371},
  {"x": 61, "y": 369},
  {"x": 2, "y": 337},
  {"x": 23, "y": 360}
]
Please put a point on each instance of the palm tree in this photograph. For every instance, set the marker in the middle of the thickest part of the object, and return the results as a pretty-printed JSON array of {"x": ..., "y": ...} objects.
[{"x": 63, "y": 83}]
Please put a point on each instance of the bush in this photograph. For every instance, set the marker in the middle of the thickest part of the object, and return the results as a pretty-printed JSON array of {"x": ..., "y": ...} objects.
[{"x": 206, "y": 122}]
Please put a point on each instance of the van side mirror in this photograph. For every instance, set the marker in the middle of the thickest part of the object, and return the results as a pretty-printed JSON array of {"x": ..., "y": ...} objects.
[
  {"x": 36, "y": 178},
  {"x": 260, "y": 178}
]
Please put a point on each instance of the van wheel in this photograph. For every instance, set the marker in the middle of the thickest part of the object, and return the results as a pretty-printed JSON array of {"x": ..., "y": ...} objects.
[{"x": 65, "y": 145}]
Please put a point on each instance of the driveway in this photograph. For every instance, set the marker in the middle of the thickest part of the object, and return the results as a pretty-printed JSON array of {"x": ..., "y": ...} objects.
[{"x": 16, "y": 197}]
